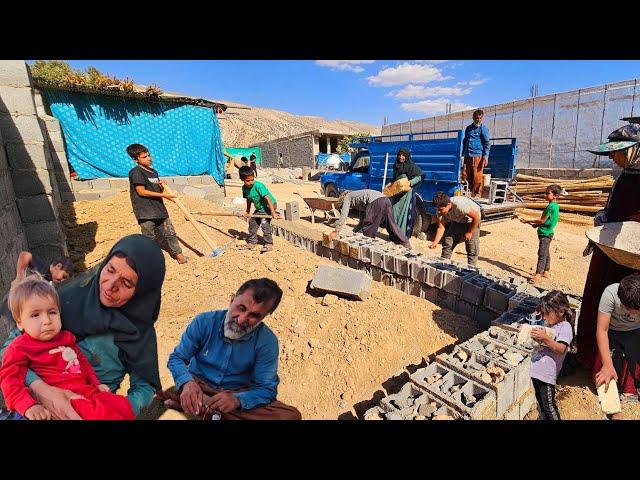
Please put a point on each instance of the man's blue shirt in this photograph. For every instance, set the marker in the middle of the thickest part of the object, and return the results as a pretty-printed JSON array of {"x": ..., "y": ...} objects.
[
  {"x": 476, "y": 142},
  {"x": 248, "y": 362}
]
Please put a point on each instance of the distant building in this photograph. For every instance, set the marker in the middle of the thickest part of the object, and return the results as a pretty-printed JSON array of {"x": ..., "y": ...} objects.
[{"x": 301, "y": 149}]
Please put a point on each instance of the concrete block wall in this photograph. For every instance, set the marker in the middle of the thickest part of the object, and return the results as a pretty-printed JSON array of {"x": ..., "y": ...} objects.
[
  {"x": 296, "y": 151},
  {"x": 442, "y": 282},
  {"x": 30, "y": 196}
]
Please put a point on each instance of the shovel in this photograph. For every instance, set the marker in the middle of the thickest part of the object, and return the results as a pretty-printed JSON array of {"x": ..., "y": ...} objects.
[{"x": 215, "y": 251}]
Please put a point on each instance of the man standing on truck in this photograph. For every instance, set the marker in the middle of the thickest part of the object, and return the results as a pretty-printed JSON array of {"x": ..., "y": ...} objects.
[
  {"x": 475, "y": 150},
  {"x": 459, "y": 220}
]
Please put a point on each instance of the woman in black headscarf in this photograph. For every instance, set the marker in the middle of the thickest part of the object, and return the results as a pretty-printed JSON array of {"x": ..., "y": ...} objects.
[
  {"x": 112, "y": 314},
  {"x": 404, "y": 204}
]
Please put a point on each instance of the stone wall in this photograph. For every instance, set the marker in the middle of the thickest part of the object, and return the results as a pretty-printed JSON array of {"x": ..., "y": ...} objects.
[{"x": 30, "y": 143}]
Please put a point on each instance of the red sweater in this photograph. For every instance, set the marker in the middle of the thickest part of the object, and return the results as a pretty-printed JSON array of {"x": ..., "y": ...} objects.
[{"x": 58, "y": 362}]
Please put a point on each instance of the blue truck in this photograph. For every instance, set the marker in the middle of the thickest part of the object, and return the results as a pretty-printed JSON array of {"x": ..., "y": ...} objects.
[{"x": 440, "y": 158}]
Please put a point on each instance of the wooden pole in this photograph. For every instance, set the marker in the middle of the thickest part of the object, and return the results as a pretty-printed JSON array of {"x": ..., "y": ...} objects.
[
  {"x": 384, "y": 177},
  {"x": 193, "y": 221}
]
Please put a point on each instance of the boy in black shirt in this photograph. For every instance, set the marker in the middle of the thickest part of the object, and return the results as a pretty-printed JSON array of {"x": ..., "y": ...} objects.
[
  {"x": 147, "y": 191},
  {"x": 57, "y": 271}
]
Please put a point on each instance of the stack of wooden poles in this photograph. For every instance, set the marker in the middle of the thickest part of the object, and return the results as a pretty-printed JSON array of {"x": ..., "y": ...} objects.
[{"x": 584, "y": 195}]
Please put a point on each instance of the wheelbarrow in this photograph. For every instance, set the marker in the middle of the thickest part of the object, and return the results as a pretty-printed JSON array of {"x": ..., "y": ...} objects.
[{"x": 325, "y": 204}]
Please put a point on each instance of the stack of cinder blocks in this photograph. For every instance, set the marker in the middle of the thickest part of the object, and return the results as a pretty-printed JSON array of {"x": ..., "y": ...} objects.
[
  {"x": 29, "y": 196},
  {"x": 457, "y": 287}
]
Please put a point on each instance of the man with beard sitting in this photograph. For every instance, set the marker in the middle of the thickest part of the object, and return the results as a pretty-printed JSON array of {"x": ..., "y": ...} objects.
[{"x": 226, "y": 363}]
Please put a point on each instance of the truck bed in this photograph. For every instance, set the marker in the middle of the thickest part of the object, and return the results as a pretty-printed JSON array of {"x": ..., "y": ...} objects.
[{"x": 496, "y": 211}]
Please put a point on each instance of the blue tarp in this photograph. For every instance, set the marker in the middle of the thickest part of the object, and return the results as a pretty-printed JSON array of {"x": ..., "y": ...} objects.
[
  {"x": 322, "y": 157},
  {"x": 182, "y": 139}
]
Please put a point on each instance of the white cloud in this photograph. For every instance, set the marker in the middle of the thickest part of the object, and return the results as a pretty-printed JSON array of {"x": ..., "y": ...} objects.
[
  {"x": 406, "y": 73},
  {"x": 420, "y": 91},
  {"x": 474, "y": 83},
  {"x": 350, "y": 65},
  {"x": 434, "y": 107}
]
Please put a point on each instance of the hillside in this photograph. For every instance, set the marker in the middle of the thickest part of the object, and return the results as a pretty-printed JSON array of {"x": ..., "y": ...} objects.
[{"x": 244, "y": 128}]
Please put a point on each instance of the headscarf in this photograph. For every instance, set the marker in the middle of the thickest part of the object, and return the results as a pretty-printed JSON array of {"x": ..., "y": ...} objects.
[
  {"x": 130, "y": 324},
  {"x": 407, "y": 167}
]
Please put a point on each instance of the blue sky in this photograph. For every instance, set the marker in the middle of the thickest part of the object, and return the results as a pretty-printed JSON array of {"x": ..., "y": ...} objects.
[{"x": 367, "y": 90}]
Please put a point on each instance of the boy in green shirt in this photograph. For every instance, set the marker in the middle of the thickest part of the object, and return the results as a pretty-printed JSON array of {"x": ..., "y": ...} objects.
[
  {"x": 546, "y": 225},
  {"x": 265, "y": 203}
]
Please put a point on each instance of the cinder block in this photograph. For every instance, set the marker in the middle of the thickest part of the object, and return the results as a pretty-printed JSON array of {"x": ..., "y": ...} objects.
[
  {"x": 388, "y": 279},
  {"x": 192, "y": 192},
  {"x": 465, "y": 308},
  {"x": 327, "y": 241},
  {"x": 526, "y": 402},
  {"x": 27, "y": 183},
  {"x": 377, "y": 257},
  {"x": 8, "y": 224},
  {"x": 49, "y": 251},
  {"x": 20, "y": 128},
  {"x": 335, "y": 255},
  {"x": 513, "y": 413},
  {"x": 14, "y": 73},
  {"x": 434, "y": 276},
  {"x": 122, "y": 184},
  {"x": 400, "y": 283},
  {"x": 411, "y": 402},
  {"x": 455, "y": 390},
  {"x": 418, "y": 270},
  {"x": 44, "y": 233},
  {"x": 51, "y": 124},
  {"x": 522, "y": 298},
  {"x": 452, "y": 279},
  {"x": 507, "y": 321},
  {"x": 389, "y": 261},
  {"x": 343, "y": 246},
  {"x": 492, "y": 349},
  {"x": 376, "y": 273},
  {"x": 484, "y": 318},
  {"x": 473, "y": 367},
  {"x": 36, "y": 209},
  {"x": 25, "y": 157},
  {"x": 415, "y": 288},
  {"x": 445, "y": 300},
  {"x": 473, "y": 289},
  {"x": 508, "y": 338},
  {"x": 63, "y": 182},
  {"x": 177, "y": 180},
  {"x": 365, "y": 252},
  {"x": 292, "y": 212},
  {"x": 496, "y": 297},
  {"x": 429, "y": 293},
  {"x": 353, "y": 263},
  {"x": 17, "y": 100},
  {"x": 342, "y": 282},
  {"x": 354, "y": 250}
]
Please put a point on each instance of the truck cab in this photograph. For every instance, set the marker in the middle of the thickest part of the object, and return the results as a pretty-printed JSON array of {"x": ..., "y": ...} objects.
[{"x": 439, "y": 155}]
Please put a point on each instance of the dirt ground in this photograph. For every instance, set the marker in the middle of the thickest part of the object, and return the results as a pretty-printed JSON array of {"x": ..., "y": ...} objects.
[{"x": 339, "y": 359}]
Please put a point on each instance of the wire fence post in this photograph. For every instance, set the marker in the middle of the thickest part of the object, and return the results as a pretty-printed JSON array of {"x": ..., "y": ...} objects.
[{"x": 553, "y": 123}]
